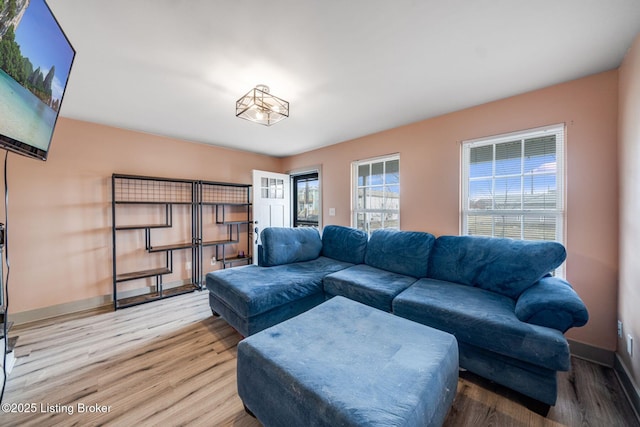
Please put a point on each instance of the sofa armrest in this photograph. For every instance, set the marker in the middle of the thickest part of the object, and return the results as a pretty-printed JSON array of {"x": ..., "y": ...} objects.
[{"x": 553, "y": 303}]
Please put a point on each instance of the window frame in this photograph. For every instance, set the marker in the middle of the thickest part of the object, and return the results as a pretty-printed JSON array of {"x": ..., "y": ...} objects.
[
  {"x": 559, "y": 212},
  {"x": 306, "y": 177},
  {"x": 355, "y": 187}
]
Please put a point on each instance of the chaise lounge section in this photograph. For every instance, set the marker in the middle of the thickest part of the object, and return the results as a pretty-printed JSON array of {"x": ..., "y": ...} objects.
[
  {"x": 496, "y": 296},
  {"x": 288, "y": 281}
]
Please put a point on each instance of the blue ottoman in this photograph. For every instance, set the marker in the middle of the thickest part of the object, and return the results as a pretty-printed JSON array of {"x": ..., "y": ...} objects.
[{"x": 343, "y": 363}]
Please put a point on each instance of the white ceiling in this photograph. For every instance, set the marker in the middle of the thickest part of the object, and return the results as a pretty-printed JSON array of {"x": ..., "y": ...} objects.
[{"x": 348, "y": 68}]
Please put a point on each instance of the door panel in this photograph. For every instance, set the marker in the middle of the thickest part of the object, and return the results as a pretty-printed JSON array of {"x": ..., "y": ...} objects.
[
  {"x": 271, "y": 204},
  {"x": 276, "y": 216}
]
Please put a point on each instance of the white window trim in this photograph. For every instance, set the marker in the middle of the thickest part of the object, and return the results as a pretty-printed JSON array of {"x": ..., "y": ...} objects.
[
  {"x": 354, "y": 193},
  {"x": 559, "y": 212}
]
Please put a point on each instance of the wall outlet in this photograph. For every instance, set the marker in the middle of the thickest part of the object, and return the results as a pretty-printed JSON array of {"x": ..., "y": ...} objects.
[
  {"x": 213, "y": 260},
  {"x": 630, "y": 345},
  {"x": 619, "y": 328},
  {"x": 187, "y": 265}
]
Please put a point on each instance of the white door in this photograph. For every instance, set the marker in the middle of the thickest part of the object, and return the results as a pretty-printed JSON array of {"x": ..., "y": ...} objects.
[{"x": 271, "y": 204}]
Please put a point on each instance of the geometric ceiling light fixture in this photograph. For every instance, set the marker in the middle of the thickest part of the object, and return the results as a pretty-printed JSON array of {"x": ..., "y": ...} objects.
[{"x": 259, "y": 106}]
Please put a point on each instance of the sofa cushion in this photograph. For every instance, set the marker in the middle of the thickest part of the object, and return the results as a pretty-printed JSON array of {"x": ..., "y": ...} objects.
[
  {"x": 483, "y": 319},
  {"x": 505, "y": 266},
  {"x": 251, "y": 290},
  {"x": 402, "y": 252},
  {"x": 247, "y": 326},
  {"x": 368, "y": 285},
  {"x": 344, "y": 243},
  {"x": 553, "y": 303},
  {"x": 288, "y": 245}
]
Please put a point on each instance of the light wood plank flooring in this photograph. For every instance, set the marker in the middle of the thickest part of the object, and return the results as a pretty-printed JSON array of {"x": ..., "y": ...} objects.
[{"x": 171, "y": 363}]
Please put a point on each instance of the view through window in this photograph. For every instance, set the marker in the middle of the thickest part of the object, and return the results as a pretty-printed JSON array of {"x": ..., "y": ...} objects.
[
  {"x": 306, "y": 200},
  {"x": 513, "y": 185},
  {"x": 376, "y": 193}
]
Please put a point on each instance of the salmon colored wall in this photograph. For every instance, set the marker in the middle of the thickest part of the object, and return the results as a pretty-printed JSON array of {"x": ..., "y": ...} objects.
[
  {"x": 60, "y": 236},
  {"x": 60, "y": 210},
  {"x": 430, "y": 176},
  {"x": 629, "y": 292}
]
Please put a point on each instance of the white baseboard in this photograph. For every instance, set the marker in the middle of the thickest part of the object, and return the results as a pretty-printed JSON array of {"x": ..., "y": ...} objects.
[
  {"x": 99, "y": 302},
  {"x": 61, "y": 309}
]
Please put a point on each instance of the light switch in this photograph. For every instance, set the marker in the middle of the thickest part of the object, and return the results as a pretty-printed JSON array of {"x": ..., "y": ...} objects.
[{"x": 332, "y": 211}]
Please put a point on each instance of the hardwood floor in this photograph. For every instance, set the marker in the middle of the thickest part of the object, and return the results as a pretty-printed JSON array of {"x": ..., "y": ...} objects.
[{"x": 171, "y": 363}]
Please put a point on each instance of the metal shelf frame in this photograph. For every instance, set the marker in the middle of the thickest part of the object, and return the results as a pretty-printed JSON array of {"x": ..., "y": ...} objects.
[
  {"x": 131, "y": 190},
  {"x": 221, "y": 196}
]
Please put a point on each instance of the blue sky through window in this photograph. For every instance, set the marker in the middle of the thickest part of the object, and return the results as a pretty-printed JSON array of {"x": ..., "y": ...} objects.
[{"x": 513, "y": 174}]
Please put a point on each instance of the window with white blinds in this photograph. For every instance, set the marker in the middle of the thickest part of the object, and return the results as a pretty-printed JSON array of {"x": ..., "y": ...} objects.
[
  {"x": 513, "y": 185},
  {"x": 376, "y": 193}
]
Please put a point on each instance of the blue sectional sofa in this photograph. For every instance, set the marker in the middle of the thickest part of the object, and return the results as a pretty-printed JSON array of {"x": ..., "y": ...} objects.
[{"x": 496, "y": 296}]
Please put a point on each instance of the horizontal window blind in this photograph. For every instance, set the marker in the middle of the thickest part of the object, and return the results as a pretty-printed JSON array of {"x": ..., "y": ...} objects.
[{"x": 513, "y": 185}]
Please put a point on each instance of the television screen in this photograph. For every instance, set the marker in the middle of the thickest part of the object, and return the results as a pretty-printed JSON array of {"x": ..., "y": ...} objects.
[{"x": 35, "y": 61}]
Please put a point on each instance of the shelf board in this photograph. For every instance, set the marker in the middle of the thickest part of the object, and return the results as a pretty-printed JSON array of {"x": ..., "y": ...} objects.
[
  {"x": 142, "y": 274},
  {"x": 138, "y": 299},
  {"x": 142, "y": 226},
  {"x": 184, "y": 289},
  {"x": 158, "y": 202},
  {"x": 233, "y": 260},
  {"x": 152, "y": 296},
  {"x": 223, "y": 184},
  {"x": 225, "y": 204},
  {"x": 219, "y": 242},
  {"x": 158, "y": 178},
  {"x": 175, "y": 246},
  {"x": 233, "y": 222}
]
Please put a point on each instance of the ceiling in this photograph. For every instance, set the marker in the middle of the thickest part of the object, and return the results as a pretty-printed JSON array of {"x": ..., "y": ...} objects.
[{"x": 348, "y": 68}]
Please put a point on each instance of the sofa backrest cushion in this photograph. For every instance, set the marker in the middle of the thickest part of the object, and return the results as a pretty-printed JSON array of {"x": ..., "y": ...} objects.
[
  {"x": 402, "y": 252},
  {"x": 500, "y": 265},
  {"x": 288, "y": 245},
  {"x": 344, "y": 243}
]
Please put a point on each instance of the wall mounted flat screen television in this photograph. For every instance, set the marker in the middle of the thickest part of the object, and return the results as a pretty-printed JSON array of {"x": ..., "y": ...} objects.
[{"x": 35, "y": 62}]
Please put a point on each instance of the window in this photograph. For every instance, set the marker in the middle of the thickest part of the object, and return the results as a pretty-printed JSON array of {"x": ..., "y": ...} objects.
[
  {"x": 512, "y": 185},
  {"x": 306, "y": 200},
  {"x": 272, "y": 188},
  {"x": 376, "y": 193}
]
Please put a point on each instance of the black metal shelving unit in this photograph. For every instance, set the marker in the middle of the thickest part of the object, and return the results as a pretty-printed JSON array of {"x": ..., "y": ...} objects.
[
  {"x": 131, "y": 192},
  {"x": 229, "y": 205}
]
